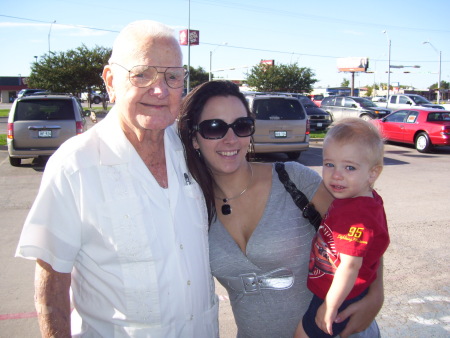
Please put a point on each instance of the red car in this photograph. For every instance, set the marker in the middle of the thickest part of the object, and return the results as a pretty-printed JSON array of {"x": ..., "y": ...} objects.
[
  {"x": 425, "y": 128},
  {"x": 317, "y": 99}
]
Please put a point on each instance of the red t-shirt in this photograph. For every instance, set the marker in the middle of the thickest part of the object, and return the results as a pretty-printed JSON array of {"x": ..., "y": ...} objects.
[{"x": 353, "y": 226}]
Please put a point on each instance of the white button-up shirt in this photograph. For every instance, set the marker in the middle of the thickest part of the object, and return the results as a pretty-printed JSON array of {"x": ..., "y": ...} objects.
[{"x": 138, "y": 253}]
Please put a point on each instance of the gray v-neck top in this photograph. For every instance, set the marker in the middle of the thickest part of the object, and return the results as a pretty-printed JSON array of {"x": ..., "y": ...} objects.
[{"x": 282, "y": 239}]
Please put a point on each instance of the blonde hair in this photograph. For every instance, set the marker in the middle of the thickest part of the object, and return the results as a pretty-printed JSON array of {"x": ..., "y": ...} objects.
[
  {"x": 358, "y": 131},
  {"x": 128, "y": 43}
]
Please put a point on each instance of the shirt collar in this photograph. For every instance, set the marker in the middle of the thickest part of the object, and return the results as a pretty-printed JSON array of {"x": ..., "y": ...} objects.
[{"x": 116, "y": 149}]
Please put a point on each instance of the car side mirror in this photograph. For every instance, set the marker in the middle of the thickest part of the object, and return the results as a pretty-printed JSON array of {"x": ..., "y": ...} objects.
[
  {"x": 87, "y": 113},
  {"x": 354, "y": 105},
  {"x": 409, "y": 102}
]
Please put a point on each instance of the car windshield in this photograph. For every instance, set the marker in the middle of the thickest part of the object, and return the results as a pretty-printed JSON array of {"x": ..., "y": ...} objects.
[
  {"x": 44, "y": 109},
  {"x": 365, "y": 103},
  {"x": 419, "y": 99}
]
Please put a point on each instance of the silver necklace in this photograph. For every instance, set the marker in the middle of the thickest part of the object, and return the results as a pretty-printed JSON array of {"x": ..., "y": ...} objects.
[{"x": 226, "y": 208}]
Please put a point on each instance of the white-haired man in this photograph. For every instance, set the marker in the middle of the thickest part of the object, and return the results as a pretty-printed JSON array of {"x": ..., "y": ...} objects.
[{"x": 117, "y": 218}]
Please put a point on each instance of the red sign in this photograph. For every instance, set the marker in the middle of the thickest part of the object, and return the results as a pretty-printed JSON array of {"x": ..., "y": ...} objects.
[
  {"x": 267, "y": 62},
  {"x": 194, "y": 37}
]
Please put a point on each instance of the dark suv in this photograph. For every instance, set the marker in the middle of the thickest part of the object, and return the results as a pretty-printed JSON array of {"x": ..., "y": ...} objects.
[
  {"x": 39, "y": 123},
  {"x": 318, "y": 118},
  {"x": 341, "y": 107}
]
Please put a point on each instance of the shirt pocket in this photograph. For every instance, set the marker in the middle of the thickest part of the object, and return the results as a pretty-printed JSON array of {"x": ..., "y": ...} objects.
[{"x": 123, "y": 224}]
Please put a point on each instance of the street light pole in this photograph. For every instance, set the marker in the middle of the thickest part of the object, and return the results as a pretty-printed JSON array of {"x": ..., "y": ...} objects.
[
  {"x": 389, "y": 68},
  {"x": 439, "y": 72},
  {"x": 210, "y": 59},
  {"x": 210, "y": 64},
  {"x": 188, "y": 89},
  {"x": 49, "y": 31}
]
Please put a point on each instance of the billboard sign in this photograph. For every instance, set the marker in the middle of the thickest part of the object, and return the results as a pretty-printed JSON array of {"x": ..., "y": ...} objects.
[
  {"x": 353, "y": 64},
  {"x": 194, "y": 37},
  {"x": 267, "y": 62}
]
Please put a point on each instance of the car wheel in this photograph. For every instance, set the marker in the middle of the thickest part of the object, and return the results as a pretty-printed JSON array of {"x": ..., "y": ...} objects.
[
  {"x": 294, "y": 155},
  {"x": 366, "y": 117},
  {"x": 97, "y": 100},
  {"x": 14, "y": 161},
  {"x": 423, "y": 143}
]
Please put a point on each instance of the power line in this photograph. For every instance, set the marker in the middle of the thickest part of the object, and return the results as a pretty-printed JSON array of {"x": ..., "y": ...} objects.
[
  {"x": 213, "y": 44},
  {"x": 61, "y": 24},
  {"x": 272, "y": 11}
]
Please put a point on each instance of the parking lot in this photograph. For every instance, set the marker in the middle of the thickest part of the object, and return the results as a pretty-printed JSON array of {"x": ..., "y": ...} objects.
[{"x": 416, "y": 191}]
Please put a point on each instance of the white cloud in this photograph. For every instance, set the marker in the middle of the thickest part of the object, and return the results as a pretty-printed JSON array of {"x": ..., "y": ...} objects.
[{"x": 63, "y": 30}]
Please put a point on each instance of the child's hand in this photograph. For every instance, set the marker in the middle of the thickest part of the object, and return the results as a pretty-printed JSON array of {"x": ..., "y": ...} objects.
[{"x": 325, "y": 318}]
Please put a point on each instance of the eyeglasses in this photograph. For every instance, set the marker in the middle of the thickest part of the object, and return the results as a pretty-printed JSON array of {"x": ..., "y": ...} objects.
[
  {"x": 144, "y": 76},
  {"x": 217, "y": 129}
]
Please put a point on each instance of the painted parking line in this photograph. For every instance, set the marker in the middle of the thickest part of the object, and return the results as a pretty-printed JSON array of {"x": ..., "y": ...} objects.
[
  {"x": 24, "y": 315},
  {"x": 18, "y": 315}
]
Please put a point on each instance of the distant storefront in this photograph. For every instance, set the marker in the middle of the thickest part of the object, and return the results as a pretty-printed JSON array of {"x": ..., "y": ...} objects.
[{"x": 10, "y": 86}]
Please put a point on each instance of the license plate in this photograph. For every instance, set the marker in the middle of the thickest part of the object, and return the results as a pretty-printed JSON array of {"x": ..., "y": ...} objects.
[
  {"x": 280, "y": 134},
  {"x": 319, "y": 124},
  {"x": 45, "y": 133}
]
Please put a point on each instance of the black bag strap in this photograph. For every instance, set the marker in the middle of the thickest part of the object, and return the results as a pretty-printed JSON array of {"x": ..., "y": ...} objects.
[{"x": 308, "y": 209}]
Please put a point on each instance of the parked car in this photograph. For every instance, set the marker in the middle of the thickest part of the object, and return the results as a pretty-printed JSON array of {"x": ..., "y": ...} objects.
[
  {"x": 317, "y": 99},
  {"x": 29, "y": 91},
  {"x": 281, "y": 125},
  {"x": 340, "y": 107},
  {"x": 406, "y": 101},
  {"x": 378, "y": 99},
  {"x": 319, "y": 119},
  {"x": 95, "y": 97},
  {"x": 39, "y": 124},
  {"x": 423, "y": 127}
]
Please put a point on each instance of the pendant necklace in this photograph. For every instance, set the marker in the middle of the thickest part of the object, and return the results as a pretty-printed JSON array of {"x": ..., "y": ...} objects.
[{"x": 226, "y": 208}]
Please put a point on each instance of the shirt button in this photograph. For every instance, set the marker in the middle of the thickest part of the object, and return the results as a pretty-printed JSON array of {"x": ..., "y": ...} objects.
[
  {"x": 192, "y": 317},
  {"x": 188, "y": 282},
  {"x": 181, "y": 246}
]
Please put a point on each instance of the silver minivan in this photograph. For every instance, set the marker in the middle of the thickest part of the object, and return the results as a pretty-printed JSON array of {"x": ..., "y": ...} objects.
[
  {"x": 281, "y": 124},
  {"x": 39, "y": 124}
]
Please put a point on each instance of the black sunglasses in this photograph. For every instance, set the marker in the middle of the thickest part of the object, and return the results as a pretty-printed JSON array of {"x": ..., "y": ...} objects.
[{"x": 217, "y": 129}]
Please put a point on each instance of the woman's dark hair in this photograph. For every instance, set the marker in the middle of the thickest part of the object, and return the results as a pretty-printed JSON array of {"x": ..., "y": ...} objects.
[{"x": 191, "y": 110}]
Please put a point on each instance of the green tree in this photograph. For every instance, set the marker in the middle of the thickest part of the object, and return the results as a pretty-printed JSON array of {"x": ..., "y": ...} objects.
[
  {"x": 74, "y": 71},
  {"x": 345, "y": 83},
  {"x": 444, "y": 85},
  {"x": 283, "y": 78},
  {"x": 197, "y": 76}
]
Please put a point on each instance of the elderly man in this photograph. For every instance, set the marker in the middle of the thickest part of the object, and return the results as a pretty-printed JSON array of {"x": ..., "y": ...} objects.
[{"x": 117, "y": 218}]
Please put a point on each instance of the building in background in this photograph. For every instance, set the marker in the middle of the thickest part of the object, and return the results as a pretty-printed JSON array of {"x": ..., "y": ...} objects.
[{"x": 10, "y": 86}]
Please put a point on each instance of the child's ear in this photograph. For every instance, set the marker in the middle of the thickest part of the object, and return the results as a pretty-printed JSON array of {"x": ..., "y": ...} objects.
[{"x": 375, "y": 173}]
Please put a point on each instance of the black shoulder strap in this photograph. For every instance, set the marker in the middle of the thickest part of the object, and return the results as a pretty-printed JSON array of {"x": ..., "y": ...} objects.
[{"x": 299, "y": 198}]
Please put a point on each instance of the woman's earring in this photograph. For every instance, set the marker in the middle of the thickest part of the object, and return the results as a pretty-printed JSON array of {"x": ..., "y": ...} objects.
[{"x": 198, "y": 153}]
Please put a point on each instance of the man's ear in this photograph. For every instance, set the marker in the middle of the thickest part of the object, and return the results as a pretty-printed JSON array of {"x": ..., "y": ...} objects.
[
  {"x": 108, "y": 79},
  {"x": 375, "y": 173}
]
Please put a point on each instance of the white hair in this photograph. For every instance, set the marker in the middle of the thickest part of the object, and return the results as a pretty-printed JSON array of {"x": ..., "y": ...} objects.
[{"x": 129, "y": 41}]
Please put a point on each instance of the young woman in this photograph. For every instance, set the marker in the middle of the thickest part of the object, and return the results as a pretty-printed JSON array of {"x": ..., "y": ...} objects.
[{"x": 259, "y": 241}]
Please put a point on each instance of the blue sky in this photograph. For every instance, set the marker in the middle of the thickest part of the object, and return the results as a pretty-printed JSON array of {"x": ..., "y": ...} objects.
[{"x": 240, "y": 33}]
